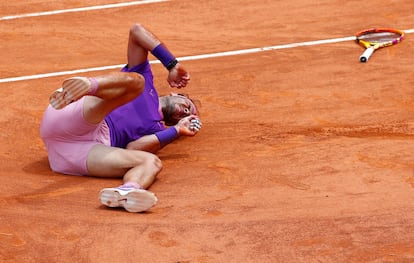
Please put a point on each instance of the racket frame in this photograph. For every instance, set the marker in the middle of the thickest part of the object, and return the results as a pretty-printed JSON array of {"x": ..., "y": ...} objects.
[{"x": 372, "y": 46}]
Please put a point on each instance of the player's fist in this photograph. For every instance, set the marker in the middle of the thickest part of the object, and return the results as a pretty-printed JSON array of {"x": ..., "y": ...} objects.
[{"x": 189, "y": 126}]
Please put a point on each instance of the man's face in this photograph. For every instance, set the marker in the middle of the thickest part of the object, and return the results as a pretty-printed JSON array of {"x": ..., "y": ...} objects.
[{"x": 183, "y": 107}]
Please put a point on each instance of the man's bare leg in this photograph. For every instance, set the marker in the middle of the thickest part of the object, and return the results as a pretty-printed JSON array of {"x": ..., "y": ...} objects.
[
  {"x": 139, "y": 170},
  {"x": 107, "y": 93}
]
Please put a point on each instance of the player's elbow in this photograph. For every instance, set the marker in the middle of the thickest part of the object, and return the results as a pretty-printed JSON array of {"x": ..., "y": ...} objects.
[{"x": 137, "y": 30}]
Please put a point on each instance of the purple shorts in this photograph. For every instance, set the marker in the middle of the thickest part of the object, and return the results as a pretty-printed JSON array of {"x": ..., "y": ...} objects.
[{"x": 69, "y": 138}]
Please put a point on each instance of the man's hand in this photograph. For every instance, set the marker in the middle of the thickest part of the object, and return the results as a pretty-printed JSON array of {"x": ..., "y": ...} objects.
[
  {"x": 178, "y": 77},
  {"x": 188, "y": 126}
]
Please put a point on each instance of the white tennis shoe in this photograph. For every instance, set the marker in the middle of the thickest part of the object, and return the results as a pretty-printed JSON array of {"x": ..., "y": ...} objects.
[{"x": 132, "y": 199}]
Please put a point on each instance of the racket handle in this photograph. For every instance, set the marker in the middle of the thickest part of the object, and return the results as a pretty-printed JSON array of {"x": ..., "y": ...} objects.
[{"x": 366, "y": 55}]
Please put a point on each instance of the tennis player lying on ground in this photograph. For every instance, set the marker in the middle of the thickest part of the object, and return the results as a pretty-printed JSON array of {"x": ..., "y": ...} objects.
[{"x": 111, "y": 125}]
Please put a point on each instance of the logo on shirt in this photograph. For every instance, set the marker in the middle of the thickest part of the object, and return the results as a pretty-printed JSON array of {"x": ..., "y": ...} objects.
[{"x": 151, "y": 92}]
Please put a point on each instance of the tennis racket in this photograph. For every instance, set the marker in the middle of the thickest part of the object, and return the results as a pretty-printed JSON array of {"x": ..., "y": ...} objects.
[{"x": 375, "y": 38}]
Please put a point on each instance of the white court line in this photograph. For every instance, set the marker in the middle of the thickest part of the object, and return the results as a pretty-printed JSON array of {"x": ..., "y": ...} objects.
[
  {"x": 205, "y": 56},
  {"x": 220, "y": 54},
  {"x": 80, "y": 9}
]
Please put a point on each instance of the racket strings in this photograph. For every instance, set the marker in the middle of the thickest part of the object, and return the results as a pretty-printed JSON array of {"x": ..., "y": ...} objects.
[{"x": 379, "y": 37}]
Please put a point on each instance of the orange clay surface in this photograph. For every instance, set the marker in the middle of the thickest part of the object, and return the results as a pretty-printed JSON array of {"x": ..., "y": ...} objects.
[{"x": 305, "y": 155}]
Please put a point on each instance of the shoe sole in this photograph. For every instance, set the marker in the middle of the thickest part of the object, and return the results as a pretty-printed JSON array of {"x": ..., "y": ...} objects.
[
  {"x": 72, "y": 90},
  {"x": 137, "y": 200}
]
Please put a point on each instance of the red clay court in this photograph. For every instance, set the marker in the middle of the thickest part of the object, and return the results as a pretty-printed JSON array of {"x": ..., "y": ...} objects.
[{"x": 305, "y": 155}]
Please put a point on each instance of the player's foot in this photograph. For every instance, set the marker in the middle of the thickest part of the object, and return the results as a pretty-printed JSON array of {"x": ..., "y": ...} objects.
[
  {"x": 130, "y": 198},
  {"x": 72, "y": 89}
]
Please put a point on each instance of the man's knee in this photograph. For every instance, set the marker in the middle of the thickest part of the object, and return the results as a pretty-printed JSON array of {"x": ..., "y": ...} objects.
[
  {"x": 136, "y": 84},
  {"x": 155, "y": 162}
]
